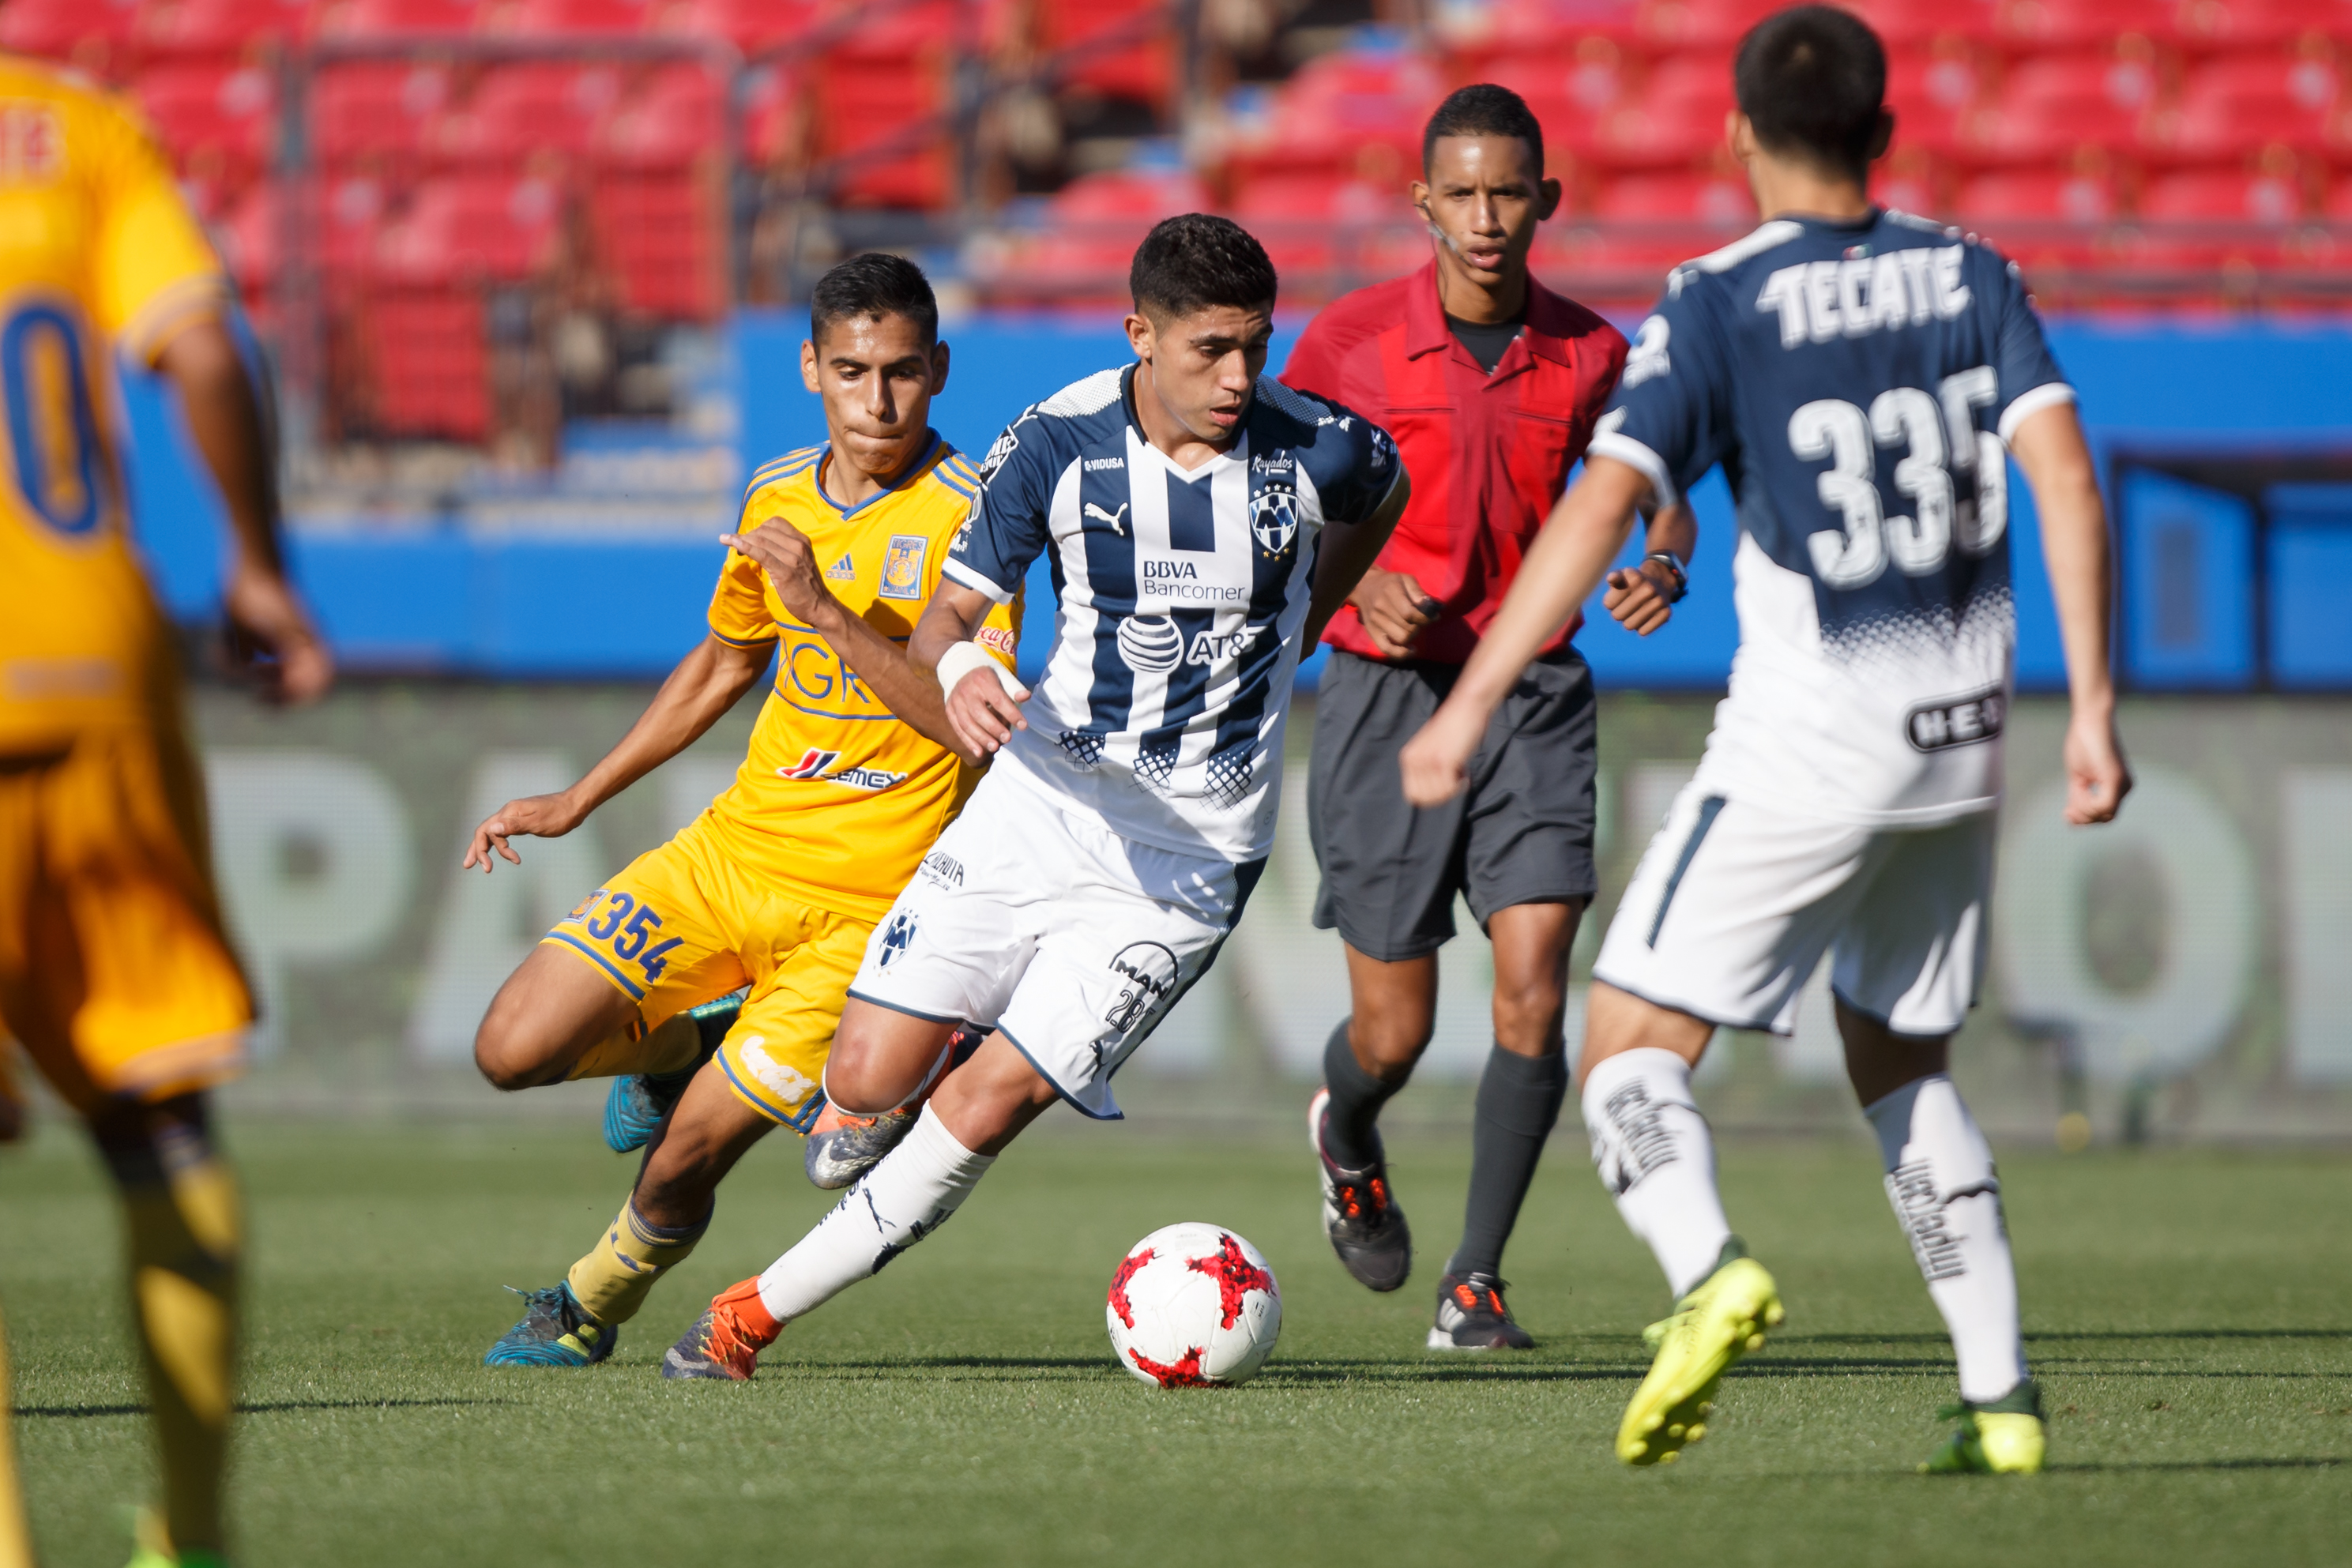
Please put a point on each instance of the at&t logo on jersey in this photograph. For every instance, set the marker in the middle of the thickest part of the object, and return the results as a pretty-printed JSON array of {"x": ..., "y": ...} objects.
[
  {"x": 1274, "y": 518},
  {"x": 1209, "y": 647},
  {"x": 1152, "y": 644},
  {"x": 816, "y": 766}
]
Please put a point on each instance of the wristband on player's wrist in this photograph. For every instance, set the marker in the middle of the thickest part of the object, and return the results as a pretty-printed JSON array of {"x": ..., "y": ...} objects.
[
  {"x": 962, "y": 658},
  {"x": 1674, "y": 570}
]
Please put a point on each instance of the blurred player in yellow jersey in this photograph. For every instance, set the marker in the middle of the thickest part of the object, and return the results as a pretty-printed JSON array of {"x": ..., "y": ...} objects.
[
  {"x": 777, "y": 886},
  {"x": 114, "y": 973}
]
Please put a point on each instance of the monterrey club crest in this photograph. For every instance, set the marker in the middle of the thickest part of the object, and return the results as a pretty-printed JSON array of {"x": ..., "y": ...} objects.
[{"x": 1274, "y": 518}]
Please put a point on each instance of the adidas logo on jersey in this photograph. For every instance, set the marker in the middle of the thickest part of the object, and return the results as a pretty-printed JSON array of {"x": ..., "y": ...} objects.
[
  {"x": 1818, "y": 300},
  {"x": 843, "y": 570}
]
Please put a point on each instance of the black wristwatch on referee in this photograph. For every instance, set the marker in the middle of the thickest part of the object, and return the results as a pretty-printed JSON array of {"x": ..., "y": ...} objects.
[{"x": 1674, "y": 568}]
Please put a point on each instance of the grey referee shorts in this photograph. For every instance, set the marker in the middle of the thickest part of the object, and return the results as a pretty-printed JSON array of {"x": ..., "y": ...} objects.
[{"x": 1520, "y": 834}]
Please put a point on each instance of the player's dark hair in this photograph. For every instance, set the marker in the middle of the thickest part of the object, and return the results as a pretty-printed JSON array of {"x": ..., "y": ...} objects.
[
  {"x": 1812, "y": 81},
  {"x": 871, "y": 286},
  {"x": 1483, "y": 109},
  {"x": 1197, "y": 260}
]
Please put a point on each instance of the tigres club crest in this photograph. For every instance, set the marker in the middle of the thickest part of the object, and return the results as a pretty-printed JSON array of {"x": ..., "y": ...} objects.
[{"x": 902, "y": 569}]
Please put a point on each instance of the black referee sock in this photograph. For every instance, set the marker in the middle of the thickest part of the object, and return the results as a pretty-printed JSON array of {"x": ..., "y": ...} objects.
[
  {"x": 1352, "y": 1134},
  {"x": 1519, "y": 1098}
]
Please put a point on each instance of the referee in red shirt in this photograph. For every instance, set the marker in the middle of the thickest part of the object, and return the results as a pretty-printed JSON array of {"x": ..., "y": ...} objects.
[{"x": 1491, "y": 384}]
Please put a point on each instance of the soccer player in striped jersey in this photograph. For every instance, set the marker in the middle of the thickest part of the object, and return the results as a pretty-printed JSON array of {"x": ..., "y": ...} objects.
[
  {"x": 1864, "y": 377},
  {"x": 774, "y": 889},
  {"x": 1202, "y": 523}
]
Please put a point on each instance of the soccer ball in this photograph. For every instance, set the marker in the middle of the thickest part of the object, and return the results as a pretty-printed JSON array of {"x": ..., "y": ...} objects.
[{"x": 1194, "y": 1306}]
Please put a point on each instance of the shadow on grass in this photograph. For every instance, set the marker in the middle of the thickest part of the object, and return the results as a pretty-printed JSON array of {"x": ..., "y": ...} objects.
[
  {"x": 2052, "y": 1336},
  {"x": 85, "y": 1412},
  {"x": 2323, "y": 1462}
]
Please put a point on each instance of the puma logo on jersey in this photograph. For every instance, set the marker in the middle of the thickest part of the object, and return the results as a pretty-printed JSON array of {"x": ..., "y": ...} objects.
[
  {"x": 1819, "y": 300},
  {"x": 1115, "y": 519}
]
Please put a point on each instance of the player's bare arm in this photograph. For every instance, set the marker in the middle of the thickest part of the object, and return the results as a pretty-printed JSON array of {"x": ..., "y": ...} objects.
[
  {"x": 224, "y": 415},
  {"x": 982, "y": 700},
  {"x": 2050, "y": 447},
  {"x": 1567, "y": 562},
  {"x": 1348, "y": 551},
  {"x": 1641, "y": 598},
  {"x": 785, "y": 554},
  {"x": 706, "y": 684}
]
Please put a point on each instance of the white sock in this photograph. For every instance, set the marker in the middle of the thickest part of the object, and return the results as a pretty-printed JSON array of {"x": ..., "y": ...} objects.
[
  {"x": 1657, "y": 1158},
  {"x": 898, "y": 1203},
  {"x": 1941, "y": 1178}
]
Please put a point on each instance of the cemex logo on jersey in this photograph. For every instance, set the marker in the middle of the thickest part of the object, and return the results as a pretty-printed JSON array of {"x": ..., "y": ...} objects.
[
  {"x": 813, "y": 764},
  {"x": 1147, "y": 974},
  {"x": 896, "y": 937},
  {"x": 1961, "y": 721}
]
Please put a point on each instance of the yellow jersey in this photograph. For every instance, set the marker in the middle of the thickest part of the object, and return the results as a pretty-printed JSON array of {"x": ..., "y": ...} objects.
[
  {"x": 837, "y": 800},
  {"x": 98, "y": 252}
]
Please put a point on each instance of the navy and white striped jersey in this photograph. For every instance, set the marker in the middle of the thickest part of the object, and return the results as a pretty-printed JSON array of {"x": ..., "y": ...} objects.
[
  {"x": 1180, "y": 599},
  {"x": 1858, "y": 382}
]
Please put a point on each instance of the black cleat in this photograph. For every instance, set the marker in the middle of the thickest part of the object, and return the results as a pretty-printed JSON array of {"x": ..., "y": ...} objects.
[
  {"x": 1471, "y": 1316},
  {"x": 1359, "y": 1214}
]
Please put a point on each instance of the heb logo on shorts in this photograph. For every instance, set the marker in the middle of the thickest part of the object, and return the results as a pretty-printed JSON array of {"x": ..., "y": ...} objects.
[
  {"x": 1147, "y": 977},
  {"x": 1956, "y": 721},
  {"x": 813, "y": 763}
]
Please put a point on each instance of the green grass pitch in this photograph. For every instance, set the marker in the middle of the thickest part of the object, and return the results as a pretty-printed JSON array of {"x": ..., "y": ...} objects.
[{"x": 2190, "y": 1313}]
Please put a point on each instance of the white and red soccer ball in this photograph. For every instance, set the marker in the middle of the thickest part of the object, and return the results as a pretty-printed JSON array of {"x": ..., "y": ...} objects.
[{"x": 1194, "y": 1306}]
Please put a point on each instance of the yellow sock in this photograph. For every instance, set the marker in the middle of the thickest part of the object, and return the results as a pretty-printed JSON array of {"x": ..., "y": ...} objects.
[
  {"x": 15, "y": 1538},
  {"x": 613, "y": 1280},
  {"x": 183, "y": 1234},
  {"x": 673, "y": 1043}
]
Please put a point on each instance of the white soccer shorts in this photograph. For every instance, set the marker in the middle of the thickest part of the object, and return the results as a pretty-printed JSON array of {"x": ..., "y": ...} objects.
[
  {"x": 1733, "y": 903},
  {"x": 1072, "y": 941}
]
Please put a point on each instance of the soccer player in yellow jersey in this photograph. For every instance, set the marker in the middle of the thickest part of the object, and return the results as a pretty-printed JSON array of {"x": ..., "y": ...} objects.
[
  {"x": 114, "y": 972},
  {"x": 777, "y": 886}
]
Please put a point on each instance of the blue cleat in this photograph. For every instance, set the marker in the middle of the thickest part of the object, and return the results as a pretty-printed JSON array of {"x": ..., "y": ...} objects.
[
  {"x": 634, "y": 1110},
  {"x": 554, "y": 1332}
]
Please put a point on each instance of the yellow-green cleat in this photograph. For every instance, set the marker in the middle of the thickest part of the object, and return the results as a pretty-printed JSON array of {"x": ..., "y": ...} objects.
[
  {"x": 1714, "y": 1325},
  {"x": 2005, "y": 1437},
  {"x": 152, "y": 1546}
]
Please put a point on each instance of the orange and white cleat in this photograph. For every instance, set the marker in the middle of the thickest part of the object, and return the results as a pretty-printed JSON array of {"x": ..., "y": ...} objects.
[{"x": 725, "y": 1341}]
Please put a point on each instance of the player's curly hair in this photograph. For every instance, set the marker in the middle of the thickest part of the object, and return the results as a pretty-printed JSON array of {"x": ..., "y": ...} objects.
[
  {"x": 871, "y": 286},
  {"x": 1197, "y": 260},
  {"x": 1812, "y": 81},
  {"x": 1483, "y": 109}
]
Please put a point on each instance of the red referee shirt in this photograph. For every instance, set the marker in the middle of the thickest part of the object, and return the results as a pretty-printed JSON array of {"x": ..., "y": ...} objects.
[{"x": 1488, "y": 454}]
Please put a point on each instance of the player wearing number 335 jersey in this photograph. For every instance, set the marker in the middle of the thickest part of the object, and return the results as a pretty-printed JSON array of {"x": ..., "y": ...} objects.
[{"x": 1857, "y": 382}]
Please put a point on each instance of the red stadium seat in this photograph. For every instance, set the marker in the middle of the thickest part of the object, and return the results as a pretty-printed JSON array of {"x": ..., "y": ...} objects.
[
  {"x": 517, "y": 110},
  {"x": 1933, "y": 94},
  {"x": 1908, "y": 183},
  {"x": 393, "y": 18},
  {"x": 1483, "y": 39},
  {"x": 751, "y": 26},
  {"x": 1311, "y": 225},
  {"x": 1354, "y": 113},
  {"x": 1909, "y": 25},
  {"x": 1142, "y": 70},
  {"x": 350, "y": 221},
  {"x": 1711, "y": 25},
  {"x": 661, "y": 233},
  {"x": 2239, "y": 24},
  {"x": 879, "y": 102},
  {"x": 1571, "y": 93},
  {"x": 370, "y": 110},
  {"x": 248, "y": 241},
  {"x": 2051, "y": 107},
  {"x": 2036, "y": 24},
  {"x": 1716, "y": 201},
  {"x": 675, "y": 121},
  {"x": 776, "y": 123},
  {"x": 1677, "y": 122},
  {"x": 220, "y": 121},
  {"x": 473, "y": 226},
  {"x": 2041, "y": 218},
  {"x": 1130, "y": 198},
  {"x": 2237, "y": 106},
  {"x": 2220, "y": 195},
  {"x": 565, "y": 18},
  {"x": 97, "y": 35},
  {"x": 1093, "y": 225},
  {"x": 429, "y": 351},
  {"x": 220, "y": 29}
]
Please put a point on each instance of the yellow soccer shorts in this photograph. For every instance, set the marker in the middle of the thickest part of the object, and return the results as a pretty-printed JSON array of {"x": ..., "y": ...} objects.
[
  {"x": 115, "y": 972},
  {"x": 684, "y": 924}
]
